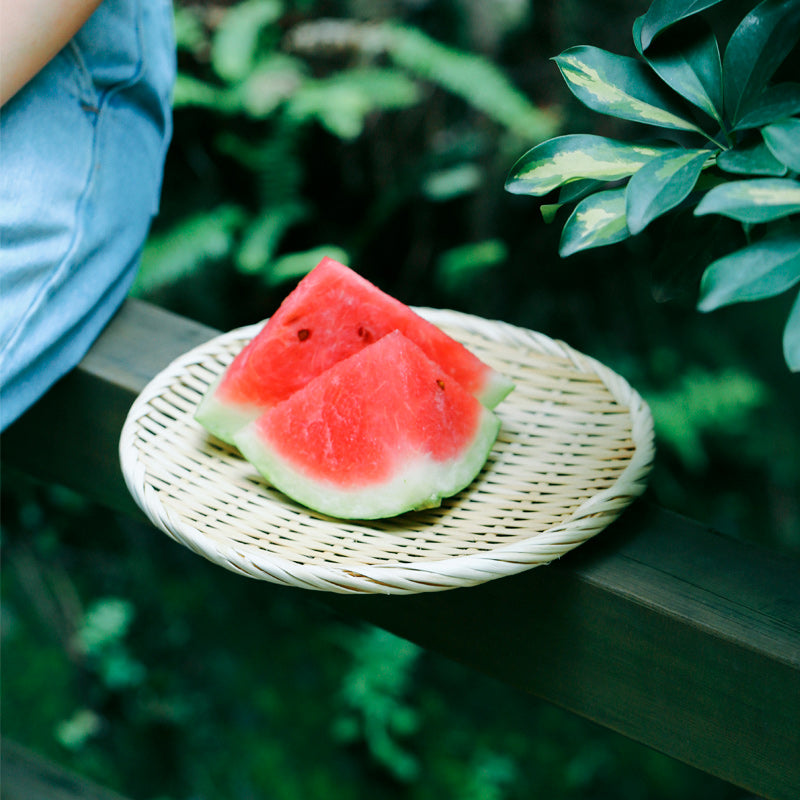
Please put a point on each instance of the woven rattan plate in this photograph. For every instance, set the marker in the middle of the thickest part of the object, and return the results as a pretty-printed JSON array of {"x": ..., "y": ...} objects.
[{"x": 575, "y": 448}]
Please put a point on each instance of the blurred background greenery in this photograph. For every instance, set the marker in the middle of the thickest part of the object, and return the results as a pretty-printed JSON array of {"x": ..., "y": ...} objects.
[{"x": 379, "y": 133}]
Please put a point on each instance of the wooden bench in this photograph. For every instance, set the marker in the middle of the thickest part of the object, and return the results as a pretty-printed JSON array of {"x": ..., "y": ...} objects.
[{"x": 660, "y": 629}]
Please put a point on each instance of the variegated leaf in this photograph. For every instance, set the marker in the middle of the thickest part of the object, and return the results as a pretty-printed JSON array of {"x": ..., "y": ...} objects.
[
  {"x": 578, "y": 157},
  {"x": 764, "y": 269},
  {"x": 597, "y": 220},
  {"x": 661, "y": 185},
  {"x": 753, "y": 201},
  {"x": 621, "y": 87}
]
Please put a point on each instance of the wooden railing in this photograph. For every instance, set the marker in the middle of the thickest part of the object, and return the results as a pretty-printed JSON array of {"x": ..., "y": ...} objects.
[
  {"x": 26, "y": 776},
  {"x": 660, "y": 629}
]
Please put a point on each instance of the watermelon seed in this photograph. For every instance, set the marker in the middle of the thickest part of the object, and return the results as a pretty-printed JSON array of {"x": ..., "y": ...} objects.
[
  {"x": 363, "y": 333},
  {"x": 440, "y": 383},
  {"x": 303, "y": 334}
]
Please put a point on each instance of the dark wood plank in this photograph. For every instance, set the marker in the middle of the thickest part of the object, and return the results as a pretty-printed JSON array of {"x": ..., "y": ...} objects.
[
  {"x": 27, "y": 776},
  {"x": 78, "y": 423},
  {"x": 664, "y": 631}
]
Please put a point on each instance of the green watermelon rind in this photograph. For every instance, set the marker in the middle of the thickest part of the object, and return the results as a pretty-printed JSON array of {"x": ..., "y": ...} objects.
[
  {"x": 422, "y": 483},
  {"x": 220, "y": 418},
  {"x": 496, "y": 390}
]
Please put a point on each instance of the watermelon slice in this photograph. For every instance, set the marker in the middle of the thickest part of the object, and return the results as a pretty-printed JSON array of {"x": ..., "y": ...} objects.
[
  {"x": 331, "y": 314},
  {"x": 361, "y": 441}
]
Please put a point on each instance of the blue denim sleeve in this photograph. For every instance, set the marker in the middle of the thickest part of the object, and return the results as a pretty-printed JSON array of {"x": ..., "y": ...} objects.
[{"x": 83, "y": 149}]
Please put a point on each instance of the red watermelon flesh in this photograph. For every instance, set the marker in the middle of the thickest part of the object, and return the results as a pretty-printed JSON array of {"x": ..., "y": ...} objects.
[
  {"x": 331, "y": 314},
  {"x": 361, "y": 441}
]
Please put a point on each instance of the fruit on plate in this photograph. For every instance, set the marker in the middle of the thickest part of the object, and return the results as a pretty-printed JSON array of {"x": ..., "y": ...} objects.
[
  {"x": 331, "y": 314},
  {"x": 383, "y": 431}
]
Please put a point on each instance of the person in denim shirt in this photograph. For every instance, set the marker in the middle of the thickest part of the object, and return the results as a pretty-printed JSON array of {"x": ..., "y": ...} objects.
[{"x": 84, "y": 129}]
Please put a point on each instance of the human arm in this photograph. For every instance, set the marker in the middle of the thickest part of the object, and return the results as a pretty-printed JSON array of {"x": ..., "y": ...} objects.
[{"x": 31, "y": 33}]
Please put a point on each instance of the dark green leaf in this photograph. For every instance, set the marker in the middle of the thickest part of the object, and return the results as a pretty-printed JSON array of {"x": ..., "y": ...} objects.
[
  {"x": 687, "y": 59},
  {"x": 760, "y": 270},
  {"x": 577, "y": 190},
  {"x": 596, "y": 221},
  {"x": 783, "y": 140},
  {"x": 549, "y": 211},
  {"x": 791, "y": 337},
  {"x": 570, "y": 193},
  {"x": 662, "y": 14},
  {"x": 637, "y": 34},
  {"x": 621, "y": 87},
  {"x": 756, "y": 49},
  {"x": 755, "y": 159},
  {"x": 753, "y": 201},
  {"x": 662, "y": 184},
  {"x": 577, "y": 157},
  {"x": 775, "y": 102}
]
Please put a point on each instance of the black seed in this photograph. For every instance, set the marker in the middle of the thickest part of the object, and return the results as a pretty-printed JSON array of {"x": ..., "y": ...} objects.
[
  {"x": 303, "y": 334},
  {"x": 440, "y": 383}
]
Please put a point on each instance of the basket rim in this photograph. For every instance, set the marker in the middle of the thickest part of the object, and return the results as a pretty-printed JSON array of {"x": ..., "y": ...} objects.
[{"x": 394, "y": 577}]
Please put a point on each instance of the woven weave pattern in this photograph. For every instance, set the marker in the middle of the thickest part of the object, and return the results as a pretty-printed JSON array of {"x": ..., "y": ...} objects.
[{"x": 575, "y": 448}]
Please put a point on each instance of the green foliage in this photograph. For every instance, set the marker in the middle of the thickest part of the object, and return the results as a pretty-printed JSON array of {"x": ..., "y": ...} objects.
[
  {"x": 265, "y": 86},
  {"x": 343, "y": 102},
  {"x": 460, "y": 265},
  {"x": 471, "y": 77},
  {"x": 100, "y": 639},
  {"x": 375, "y": 708},
  {"x": 701, "y": 404},
  {"x": 75, "y": 732},
  {"x": 738, "y": 157},
  {"x": 241, "y": 689},
  {"x": 235, "y": 47},
  {"x": 198, "y": 239}
]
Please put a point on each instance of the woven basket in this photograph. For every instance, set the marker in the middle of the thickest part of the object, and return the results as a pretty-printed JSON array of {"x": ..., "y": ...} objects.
[{"x": 575, "y": 448}]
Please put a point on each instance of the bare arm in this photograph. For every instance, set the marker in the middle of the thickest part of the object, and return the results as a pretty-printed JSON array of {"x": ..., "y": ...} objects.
[{"x": 31, "y": 33}]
